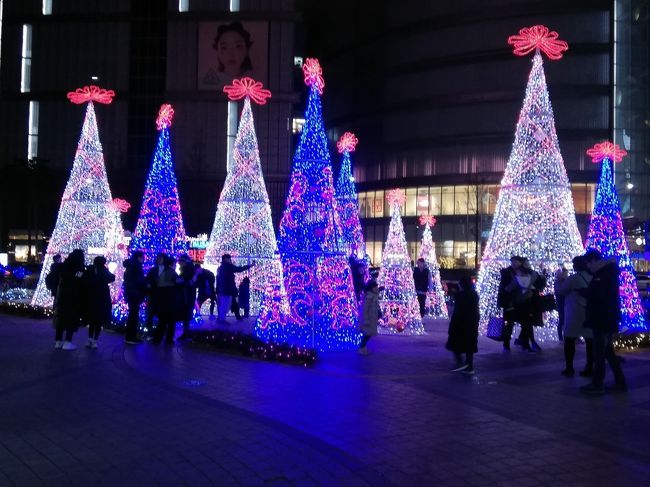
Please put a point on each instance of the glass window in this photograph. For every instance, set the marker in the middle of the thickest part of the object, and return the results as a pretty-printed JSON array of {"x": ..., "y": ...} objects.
[
  {"x": 579, "y": 194},
  {"x": 378, "y": 204},
  {"x": 435, "y": 200},
  {"x": 447, "y": 201},
  {"x": 362, "y": 205},
  {"x": 423, "y": 201},
  {"x": 32, "y": 134},
  {"x": 26, "y": 60},
  {"x": 471, "y": 200},
  {"x": 460, "y": 200},
  {"x": 591, "y": 197},
  {"x": 411, "y": 202}
]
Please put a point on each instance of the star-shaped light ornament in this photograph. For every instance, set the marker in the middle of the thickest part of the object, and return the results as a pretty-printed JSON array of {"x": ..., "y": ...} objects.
[
  {"x": 91, "y": 93},
  {"x": 347, "y": 143},
  {"x": 247, "y": 87},
  {"x": 606, "y": 150},
  {"x": 313, "y": 74},
  {"x": 537, "y": 37}
]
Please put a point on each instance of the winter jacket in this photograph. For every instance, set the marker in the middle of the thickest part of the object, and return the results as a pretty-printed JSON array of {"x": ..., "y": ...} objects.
[
  {"x": 226, "y": 278},
  {"x": 463, "y": 326},
  {"x": 70, "y": 296},
  {"x": 134, "y": 282},
  {"x": 573, "y": 290},
  {"x": 370, "y": 312},
  {"x": 603, "y": 300},
  {"x": 97, "y": 302},
  {"x": 422, "y": 279}
]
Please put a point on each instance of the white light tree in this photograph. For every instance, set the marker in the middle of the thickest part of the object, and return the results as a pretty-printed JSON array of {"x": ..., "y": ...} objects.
[{"x": 435, "y": 305}]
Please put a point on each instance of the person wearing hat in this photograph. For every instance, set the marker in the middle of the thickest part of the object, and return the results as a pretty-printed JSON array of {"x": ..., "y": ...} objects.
[{"x": 370, "y": 314}]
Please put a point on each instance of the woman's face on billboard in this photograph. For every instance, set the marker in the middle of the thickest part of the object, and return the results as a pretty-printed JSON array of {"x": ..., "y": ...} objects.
[{"x": 231, "y": 52}]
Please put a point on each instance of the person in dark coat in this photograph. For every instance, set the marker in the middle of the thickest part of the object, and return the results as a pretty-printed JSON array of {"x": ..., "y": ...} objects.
[
  {"x": 97, "y": 301},
  {"x": 422, "y": 279},
  {"x": 187, "y": 282},
  {"x": 358, "y": 271},
  {"x": 151, "y": 282},
  {"x": 205, "y": 288},
  {"x": 603, "y": 315},
  {"x": 463, "y": 326},
  {"x": 244, "y": 297},
  {"x": 134, "y": 292},
  {"x": 561, "y": 275},
  {"x": 226, "y": 287},
  {"x": 52, "y": 278},
  {"x": 168, "y": 303},
  {"x": 69, "y": 299},
  {"x": 504, "y": 299},
  {"x": 525, "y": 289}
]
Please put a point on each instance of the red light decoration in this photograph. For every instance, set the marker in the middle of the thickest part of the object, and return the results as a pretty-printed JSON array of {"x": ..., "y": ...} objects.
[
  {"x": 539, "y": 37},
  {"x": 606, "y": 150},
  {"x": 396, "y": 197},
  {"x": 428, "y": 220},
  {"x": 121, "y": 205},
  {"x": 247, "y": 87},
  {"x": 313, "y": 74},
  {"x": 91, "y": 93},
  {"x": 165, "y": 116},
  {"x": 347, "y": 143}
]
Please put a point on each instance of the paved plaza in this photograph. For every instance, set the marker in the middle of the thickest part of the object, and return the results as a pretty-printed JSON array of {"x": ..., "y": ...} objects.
[{"x": 181, "y": 415}]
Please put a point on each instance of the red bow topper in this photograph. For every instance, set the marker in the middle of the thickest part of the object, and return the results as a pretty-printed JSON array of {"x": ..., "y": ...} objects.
[
  {"x": 313, "y": 74},
  {"x": 247, "y": 87},
  {"x": 396, "y": 197},
  {"x": 121, "y": 205},
  {"x": 165, "y": 116},
  {"x": 348, "y": 142},
  {"x": 538, "y": 37},
  {"x": 606, "y": 150},
  {"x": 427, "y": 220},
  {"x": 91, "y": 93}
]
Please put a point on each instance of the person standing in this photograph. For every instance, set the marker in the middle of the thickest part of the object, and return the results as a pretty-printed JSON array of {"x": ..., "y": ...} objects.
[
  {"x": 573, "y": 290},
  {"x": 69, "y": 299},
  {"x": 505, "y": 301},
  {"x": 226, "y": 287},
  {"x": 188, "y": 278},
  {"x": 560, "y": 276},
  {"x": 463, "y": 327},
  {"x": 168, "y": 301},
  {"x": 244, "y": 297},
  {"x": 134, "y": 292},
  {"x": 52, "y": 283},
  {"x": 370, "y": 314},
  {"x": 526, "y": 284},
  {"x": 205, "y": 287},
  {"x": 98, "y": 302},
  {"x": 422, "y": 279},
  {"x": 151, "y": 281},
  {"x": 603, "y": 316}
]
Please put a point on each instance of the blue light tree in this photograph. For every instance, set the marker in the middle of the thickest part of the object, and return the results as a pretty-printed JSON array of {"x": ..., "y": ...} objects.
[
  {"x": 607, "y": 236},
  {"x": 347, "y": 201},
  {"x": 323, "y": 308},
  {"x": 160, "y": 225}
]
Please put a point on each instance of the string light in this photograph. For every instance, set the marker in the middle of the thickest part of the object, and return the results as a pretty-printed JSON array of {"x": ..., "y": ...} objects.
[
  {"x": 534, "y": 215},
  {"x": 398, "y": 301},
  {"x": 243, "y": 226},
  {"x": 323, "y": 308},
  {"x": 538, "y": 38},
  {"x": 160, "y": 224},
  {"x": 606, "y": 235},
  {"x": 435, "y": 305},
  {"x": 347, "y": 200},
  {"x": 88, "y": 218}
]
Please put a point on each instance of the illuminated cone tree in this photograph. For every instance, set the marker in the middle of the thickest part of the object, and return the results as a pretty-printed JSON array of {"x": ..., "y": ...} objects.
[
  {"x": 399, "y": 303},
  {"x": 534, "y": 215},
  {"x": 607, "y": 236},
  {"x": 435, "y": 305},
  {"x": 243, "y": 226},
  {"x": 347, "y": 200},
  {"x": 160, "y": 225},
  {"x": 318, "y": 280},
  {"x": 89, "y": 219}
]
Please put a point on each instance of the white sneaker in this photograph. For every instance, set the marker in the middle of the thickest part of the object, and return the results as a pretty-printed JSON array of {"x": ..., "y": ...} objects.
[
  {"x": 69, "y": 346},
  {"x": 58, "y": 344}
]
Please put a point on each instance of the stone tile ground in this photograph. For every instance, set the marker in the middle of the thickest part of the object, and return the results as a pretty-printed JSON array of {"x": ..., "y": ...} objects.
[{"x": 181, "y": 415}]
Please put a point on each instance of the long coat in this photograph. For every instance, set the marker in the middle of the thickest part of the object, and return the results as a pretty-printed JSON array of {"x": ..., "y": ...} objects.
[
  {"x": 573, "y": 288},
  {"x": 463, "y": 326},
  {"x": 370, "y": 313},
  {"x": 97, "y": 294},
  {"x": 603, "y": 301},
  {"x": 526, "y": 300},
  {"x": 69, "y": 297}
]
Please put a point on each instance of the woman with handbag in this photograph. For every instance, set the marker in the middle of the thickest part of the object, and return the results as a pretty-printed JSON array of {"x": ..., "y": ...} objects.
[
  {"x": 525, "y": 290},
  {"x": 573, "y": 289}
]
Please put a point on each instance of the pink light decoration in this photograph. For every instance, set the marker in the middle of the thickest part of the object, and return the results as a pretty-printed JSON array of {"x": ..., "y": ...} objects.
[
  {"x": 539, "y": 37},
  {"x": 121, "y": 205},
  {"x": 606, "y": 150},
  {"x": 313, "y": 74},
  {"x": 91, "y": 93},
  {"x": 396, "y": 197},
  {"x": 428, "y": 220},
  {"x": 347, "y": 143},
  {"x": 247, "y": 87},
  {"x": 165, "y": 116}
]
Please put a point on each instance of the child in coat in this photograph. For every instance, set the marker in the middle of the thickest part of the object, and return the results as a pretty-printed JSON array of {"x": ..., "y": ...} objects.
[
  {"x": 370, "y": 314},
  {"x": 245, "y": 296}
]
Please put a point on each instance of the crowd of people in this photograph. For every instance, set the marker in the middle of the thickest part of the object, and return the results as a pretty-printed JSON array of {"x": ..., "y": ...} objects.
[
  {"x": 82, "y": 295},
  {"x": 587, "y": 302}
]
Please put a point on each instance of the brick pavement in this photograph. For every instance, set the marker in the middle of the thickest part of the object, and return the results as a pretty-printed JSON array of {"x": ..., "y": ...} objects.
[{"x": 179, "y": 415}]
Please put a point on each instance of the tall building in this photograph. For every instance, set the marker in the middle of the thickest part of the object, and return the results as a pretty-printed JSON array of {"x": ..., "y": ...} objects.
[
  {"x": 433, "y": 92},
  {"x": 150, "y": 52}
]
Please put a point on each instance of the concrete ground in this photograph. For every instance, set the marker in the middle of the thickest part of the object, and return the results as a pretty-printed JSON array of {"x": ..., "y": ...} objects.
[{"x": 179, "y": 415}]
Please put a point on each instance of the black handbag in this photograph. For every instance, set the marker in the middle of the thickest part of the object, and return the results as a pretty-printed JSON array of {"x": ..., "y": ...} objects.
[
  {"x": 495, "y": 328},
  {"x": 545, "y": 303}
]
